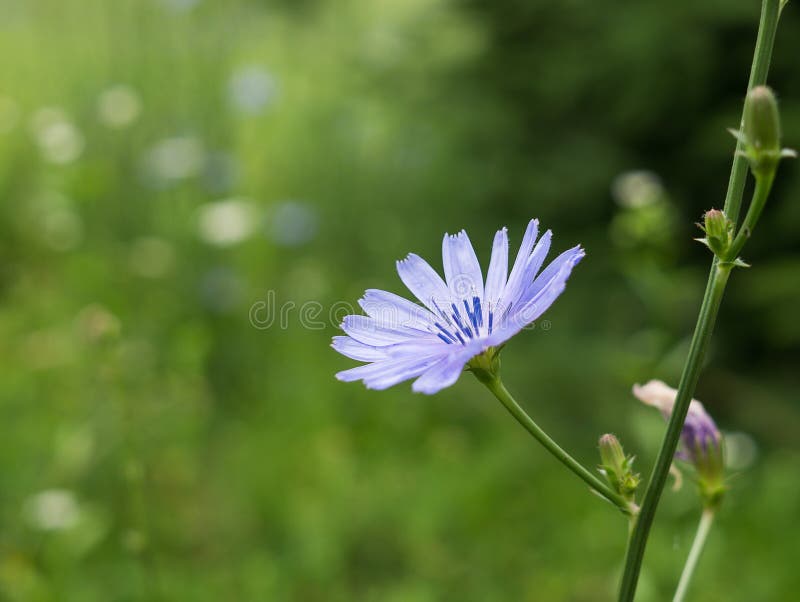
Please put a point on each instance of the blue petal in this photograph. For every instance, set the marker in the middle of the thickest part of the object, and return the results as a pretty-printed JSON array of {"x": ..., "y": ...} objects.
[
  {"x": 498, "y": 270},
  {"x": 351, "y": 348},
  {"x": 537, "y": 258},
  {"x": 423, "y": 281},
  {"x": 415, "y": 348},
  {"x": 392, "y": 310},
  {"x": 443, "y": 373},
  {"x": 568, "y": 258},
  {"x": 545, "y": 290},
  {"x": 461, "y": 267},
  {"x": 386, "y": 373},
  {"x": 515, "y": 284},
  {"x": 368, "y": 331}
]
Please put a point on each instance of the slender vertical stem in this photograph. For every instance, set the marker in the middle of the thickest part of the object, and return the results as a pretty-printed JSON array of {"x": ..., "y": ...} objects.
[
  {"x": 498, "y": 389},
  {"x": 688, "y": 382},
  {"x": 703, "y": 528},
  {"x": 715, "y": 288},
  {"x": 767, "y": 27}
]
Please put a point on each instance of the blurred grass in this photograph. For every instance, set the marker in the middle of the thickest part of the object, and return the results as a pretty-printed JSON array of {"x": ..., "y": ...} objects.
[{"x": 166, "y": 163}]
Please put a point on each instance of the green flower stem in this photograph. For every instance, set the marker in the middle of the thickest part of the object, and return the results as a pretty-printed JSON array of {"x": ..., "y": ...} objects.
[
  {"x": 691, "y": 373},
  {"x": 767, "y": 27},
  {"x": 718, "y": 278},
  {"x": 760, "y": 194},
  {"x": 496, "y": 386},
  {"x": 703, "y": 528}
]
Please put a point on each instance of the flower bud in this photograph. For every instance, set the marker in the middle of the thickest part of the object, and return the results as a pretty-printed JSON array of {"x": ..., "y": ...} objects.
[
  {"x": 617, "y": 467},
  {"x": 719, "y": 232},
  {"x": 701, "y": 441},
  {"x": 762, "y": 122},
  {"x": 760, "y": 136},
  {"x": 611, "y": 453},
  {"x": 701, "y": 444}
]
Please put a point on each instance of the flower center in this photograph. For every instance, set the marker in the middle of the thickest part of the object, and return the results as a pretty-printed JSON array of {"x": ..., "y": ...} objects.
[{"x": 460, "y": 323}]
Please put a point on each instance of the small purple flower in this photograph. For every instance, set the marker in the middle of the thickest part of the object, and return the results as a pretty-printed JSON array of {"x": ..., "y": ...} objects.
[
  {"x": 462, "y": 317},
  {"x": 701, "y": 441},
  {"x": 700, "y": 436}
]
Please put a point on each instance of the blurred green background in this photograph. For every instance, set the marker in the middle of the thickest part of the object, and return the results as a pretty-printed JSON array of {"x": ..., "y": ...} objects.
[{"x": 165, "y": 164}]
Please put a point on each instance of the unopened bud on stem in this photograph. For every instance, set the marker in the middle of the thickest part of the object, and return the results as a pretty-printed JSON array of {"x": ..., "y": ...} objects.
[
  {"x": 700, "y": 443},
  {"x": 617, "y": 467},
  {"x": 719, "y": 232},
  {"x": 762, "y": 122},
  {"x": 761, "y": 132}
]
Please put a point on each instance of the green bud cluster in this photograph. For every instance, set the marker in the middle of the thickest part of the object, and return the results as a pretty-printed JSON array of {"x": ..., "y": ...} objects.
[
  {"x": 719, "y": 232},
  {"x": 616, "y": 467}
]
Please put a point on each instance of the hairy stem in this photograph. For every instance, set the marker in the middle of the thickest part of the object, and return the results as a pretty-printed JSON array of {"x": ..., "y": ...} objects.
[
  {"x": 703, "y": 528},
  {"x": 498, "y": 389}
]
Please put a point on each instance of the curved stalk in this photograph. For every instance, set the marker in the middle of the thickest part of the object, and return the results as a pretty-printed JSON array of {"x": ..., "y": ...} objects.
[
  {"x": 496, "y": 386},
  {"x": 760, "y": 194}
]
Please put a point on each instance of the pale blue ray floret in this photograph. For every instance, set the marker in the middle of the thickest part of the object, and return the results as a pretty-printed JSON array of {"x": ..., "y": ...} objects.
[{"x": 461, "y": 316}]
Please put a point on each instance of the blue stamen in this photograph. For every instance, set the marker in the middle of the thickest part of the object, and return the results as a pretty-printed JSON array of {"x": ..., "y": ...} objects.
[
  {"x": 444, "y": 338},
  {"x": 441, "y": 312},
  {"x": 472, "y": 317},
  {"x": 491, "y": 319},
  {"x": 445, "y": 332},
  {"x": 477, "y": 310},
  {"x": 457, "y": 317}
]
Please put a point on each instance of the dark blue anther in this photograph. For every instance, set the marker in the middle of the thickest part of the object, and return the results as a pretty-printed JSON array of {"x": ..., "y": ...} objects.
[
  {"x": 472, "y": 317},
  {"x": 445, "y": 332},
  {"x": 441, "y": 312},
  {"x": 477, "y": 310},
  {"x": 457, "y": 317}
]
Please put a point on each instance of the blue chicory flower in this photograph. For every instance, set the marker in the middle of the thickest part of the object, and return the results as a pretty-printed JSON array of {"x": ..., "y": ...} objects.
[{"x": 462, "y": 317}]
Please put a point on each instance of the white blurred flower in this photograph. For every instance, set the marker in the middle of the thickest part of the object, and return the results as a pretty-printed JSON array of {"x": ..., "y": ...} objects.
[
  {"x": 59, "y": 140},
  {"x": 174, "y": 159},
  {"x": 293, "y": 223},
  {"x": 119, "y": 106},
  {"x": 151, "y": 257},
  {"x": 637, "y": 188},
  {"x": 53, "y": 510},
  {"x": 9, "y": 114},
  {"x": 228, "y": 222},
  {"x": 251, "y": 89}
]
